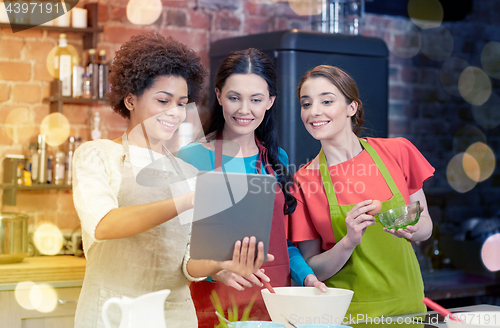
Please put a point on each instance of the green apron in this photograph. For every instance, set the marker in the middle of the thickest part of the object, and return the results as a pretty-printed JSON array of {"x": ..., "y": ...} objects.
[{"x": 383, "y": 270}]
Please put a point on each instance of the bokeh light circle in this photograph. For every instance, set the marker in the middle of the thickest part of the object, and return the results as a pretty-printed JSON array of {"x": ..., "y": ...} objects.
[
  {"x": 437, "y": 43},
  {"x": 490, "y": 252},
  {"x": 22, "y": 295},
  {"x": 56, "y": 129},
  {"x": 48, "y": 239},
  {"x": 455, "y": 173},
  {"x": 403, "y": 38},
  {"x": 490, "y": 59},
  {"x": 466, "y": 136},
  {"x": 485, "y": 159},
  {"x": 75, "y": 57},
  {"x": 47, "y": 296},
  {"x": 488, "y": 114},
  {"x": 306, "y": 7},
  {"x": 20, "y": 124},
  {"x": 450, "y": 74},
  {"x": 143, "y": 12},
  {"x": 426, "y": 13},
  {"x": 474, "y": 85}
]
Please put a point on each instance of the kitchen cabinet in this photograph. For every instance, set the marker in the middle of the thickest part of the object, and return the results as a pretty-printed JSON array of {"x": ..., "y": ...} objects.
[
  {"x": 64, "y": 273},
  {"x": 63, "y": 316}
]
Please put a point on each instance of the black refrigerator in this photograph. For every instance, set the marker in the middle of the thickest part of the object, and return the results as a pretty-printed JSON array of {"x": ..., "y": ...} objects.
[{"x": 294, "y": 52}]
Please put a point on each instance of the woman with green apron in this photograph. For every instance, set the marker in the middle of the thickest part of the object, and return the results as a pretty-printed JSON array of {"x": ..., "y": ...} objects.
[{"x": 345, "y": 246}]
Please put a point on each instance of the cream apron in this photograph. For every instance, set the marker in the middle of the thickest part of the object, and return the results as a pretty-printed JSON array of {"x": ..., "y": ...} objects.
[{"x": 141, "y": 264}]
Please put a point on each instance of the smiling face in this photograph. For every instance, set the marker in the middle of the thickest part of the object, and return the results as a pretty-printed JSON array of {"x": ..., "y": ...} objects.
[
  {"x": 162, "y": 108},
  {"x": 325, "y": 111},
  {"x": 244, "y": 99}
]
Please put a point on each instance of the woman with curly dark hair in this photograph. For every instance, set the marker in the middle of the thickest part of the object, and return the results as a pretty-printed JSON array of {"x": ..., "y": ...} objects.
[{"x": 133, "y": 238}]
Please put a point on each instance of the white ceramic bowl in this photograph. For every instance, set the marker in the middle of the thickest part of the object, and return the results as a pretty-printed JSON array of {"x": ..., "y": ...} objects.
[
  {"x": 475, "y": 320},
  {"x": 305, "y": 305},
  {"x": 255, "y": 324}
]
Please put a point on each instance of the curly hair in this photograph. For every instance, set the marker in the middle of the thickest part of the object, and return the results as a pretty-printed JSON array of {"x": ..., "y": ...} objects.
[{"x": 147, "y": 56}]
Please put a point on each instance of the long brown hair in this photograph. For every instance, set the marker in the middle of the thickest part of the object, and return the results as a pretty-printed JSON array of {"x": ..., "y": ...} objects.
[{"x": 345, "y": 83}]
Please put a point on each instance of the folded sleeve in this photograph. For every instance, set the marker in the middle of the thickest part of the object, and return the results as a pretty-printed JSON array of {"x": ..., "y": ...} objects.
[
  {"x": 415, "y": 167},
  {"x": 93, "y": 195}
]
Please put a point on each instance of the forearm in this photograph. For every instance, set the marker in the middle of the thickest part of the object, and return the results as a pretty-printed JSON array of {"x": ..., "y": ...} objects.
[
  {"x": 425, "y": 223},
  {"x": 299, "y": 269},
  {"x": 424, "y": 228},
  {"x": 129, "y": 221},
  {"x": 328, "y": 263},
  {"x": 203, "y": 268}
]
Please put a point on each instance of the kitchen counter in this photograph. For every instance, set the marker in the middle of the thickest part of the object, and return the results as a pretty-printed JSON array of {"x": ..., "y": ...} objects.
[{"x": 59, "y": 271}]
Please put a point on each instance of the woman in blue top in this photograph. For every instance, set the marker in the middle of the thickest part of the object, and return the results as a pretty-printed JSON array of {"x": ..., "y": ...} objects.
[{"x": 242, "y": 137}]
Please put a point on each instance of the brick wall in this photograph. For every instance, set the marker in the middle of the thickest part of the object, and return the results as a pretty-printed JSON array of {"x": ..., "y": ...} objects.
[{"x": 420, "y": 108}]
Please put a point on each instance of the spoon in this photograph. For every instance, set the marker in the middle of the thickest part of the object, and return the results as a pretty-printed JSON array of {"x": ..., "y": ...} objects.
[
  {"x": 268, "y": 286},
  {"x": 222, "y": 317},
  {"x": 439, "y": 309},
  {"x": 291, "y": 324}
]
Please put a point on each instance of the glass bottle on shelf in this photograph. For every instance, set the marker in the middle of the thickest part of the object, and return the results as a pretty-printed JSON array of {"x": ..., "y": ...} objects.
[
  {"x": 50, "y": 169},
  {"x": 62, "y": 66},
  {"x": 33, "y": 161},
  {"x": 103, "y": 74},
  {"x": 19, "y": 173},
  {"x": 96, "y": 127},
  {"x": 77, "y": 78},
  {"x": 86, "y": 86},
  {"x": 69, "y": 160},
  {"x": 59, "y": 168},
  {"x": 93, "y": 70},
  {"x": 42, "y": 160}
]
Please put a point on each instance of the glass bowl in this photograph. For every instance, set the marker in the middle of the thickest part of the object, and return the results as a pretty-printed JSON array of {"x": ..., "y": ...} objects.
[{"x": 400, "y": 217}]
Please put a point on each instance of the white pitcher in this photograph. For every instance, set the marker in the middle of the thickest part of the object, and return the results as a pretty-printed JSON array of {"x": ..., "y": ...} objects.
[{"x": 147, "y": 310}]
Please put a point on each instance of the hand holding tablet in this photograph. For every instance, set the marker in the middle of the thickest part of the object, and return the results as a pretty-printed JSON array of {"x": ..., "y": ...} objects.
[{"x": 245, "y": 262}]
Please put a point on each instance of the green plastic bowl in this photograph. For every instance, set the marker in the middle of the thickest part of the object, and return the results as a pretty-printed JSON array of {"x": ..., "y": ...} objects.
[{"x": 400, "y": 217}]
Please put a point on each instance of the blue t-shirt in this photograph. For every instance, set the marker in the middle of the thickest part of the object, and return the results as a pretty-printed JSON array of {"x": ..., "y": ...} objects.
[{"x": 204, "y": 160}]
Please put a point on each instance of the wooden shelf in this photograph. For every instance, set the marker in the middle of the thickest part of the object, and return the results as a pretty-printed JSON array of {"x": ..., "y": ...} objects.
[
  {"x": 71, "y": 100},
  {"x": 89, "y": 33},
  {"x": 10, "y": 191},
  {"x": 57, "y": 101},
  {"x": 53, "y": 28}
]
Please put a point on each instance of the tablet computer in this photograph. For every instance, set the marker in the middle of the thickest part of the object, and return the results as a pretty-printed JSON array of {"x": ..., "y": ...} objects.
[{"x": 229, "y": 207}]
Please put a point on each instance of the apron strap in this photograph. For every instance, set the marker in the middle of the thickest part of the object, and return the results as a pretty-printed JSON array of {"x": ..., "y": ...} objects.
[
  {"x": 327, "y": 179},
  {"x": 381, "y": 166}
]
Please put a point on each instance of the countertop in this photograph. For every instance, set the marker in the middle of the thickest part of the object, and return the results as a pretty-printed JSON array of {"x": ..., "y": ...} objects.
[{"x": 60, "y": 270}]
